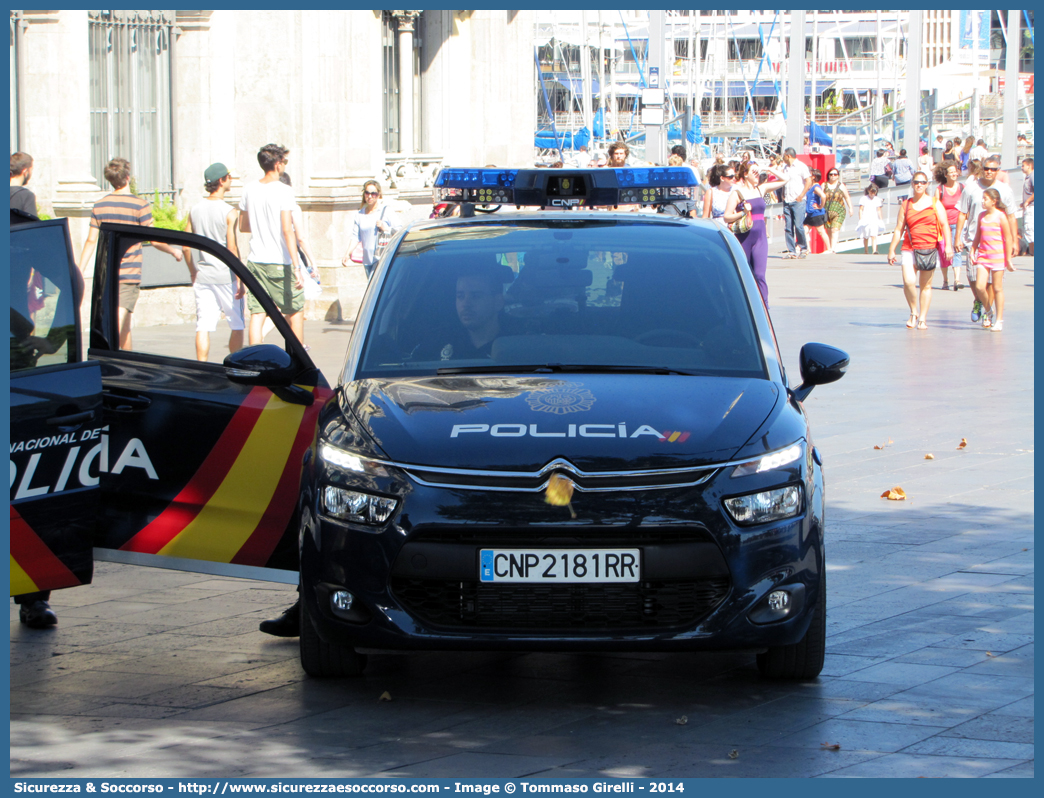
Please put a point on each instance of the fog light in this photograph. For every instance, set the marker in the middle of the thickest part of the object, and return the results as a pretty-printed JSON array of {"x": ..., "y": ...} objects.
[
  {"x": 342, "y": 600},
  {"x": 779, "y": 600}
]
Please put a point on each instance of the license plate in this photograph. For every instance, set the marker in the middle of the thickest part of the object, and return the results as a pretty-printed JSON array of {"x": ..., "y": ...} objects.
[{"x": 559, "y": 566}]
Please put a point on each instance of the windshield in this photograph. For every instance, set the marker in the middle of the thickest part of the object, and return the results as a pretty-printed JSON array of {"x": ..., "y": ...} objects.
[{"x": 524, "y": 296}]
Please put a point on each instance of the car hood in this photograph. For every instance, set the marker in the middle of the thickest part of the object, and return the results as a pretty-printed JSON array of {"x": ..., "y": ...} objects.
[{"x": 598, "y": 422}]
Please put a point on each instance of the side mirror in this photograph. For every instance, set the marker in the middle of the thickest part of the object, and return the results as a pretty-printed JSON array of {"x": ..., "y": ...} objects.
[
  {"x": 820, "y": 364},
  {"x": 271, "y": 367},
  {"x": 264, "y": 364}
]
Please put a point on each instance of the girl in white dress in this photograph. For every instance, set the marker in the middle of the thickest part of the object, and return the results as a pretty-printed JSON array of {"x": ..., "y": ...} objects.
[{"x": 870, "y": 222}]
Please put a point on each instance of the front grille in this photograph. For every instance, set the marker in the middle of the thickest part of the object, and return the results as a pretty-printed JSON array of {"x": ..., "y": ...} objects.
[
  {"x": 644, "y": 606},
  {"x": 537, "y": 481}
]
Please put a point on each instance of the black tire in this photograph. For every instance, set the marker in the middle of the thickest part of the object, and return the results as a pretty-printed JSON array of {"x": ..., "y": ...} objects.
[
  {"x": 804, "y": 659},
  {"x": 323, "y": 659}
]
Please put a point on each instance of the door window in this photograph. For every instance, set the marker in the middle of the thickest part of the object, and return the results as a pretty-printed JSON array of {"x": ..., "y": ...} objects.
[{"x": 43, "y": 307}]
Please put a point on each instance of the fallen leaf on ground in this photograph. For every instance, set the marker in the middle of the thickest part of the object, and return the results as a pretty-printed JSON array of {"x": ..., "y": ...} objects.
[
  {"x": 385, "y": 696},
  {"x": 929, "y": 456},
  {"x": 682, "y": 720},
  {"x": 831, "y": 746},
  {"x": 878, "y": 447},
  {"x": 895, "y": 494},
  {"x": 963, "y": 443},
  {"x": 733, "y": 754},
  {"x": 990, "y": 654}
]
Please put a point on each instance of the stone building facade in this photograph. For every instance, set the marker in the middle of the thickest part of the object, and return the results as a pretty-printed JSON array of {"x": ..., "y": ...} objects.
[{"x": 355, "y": 95}]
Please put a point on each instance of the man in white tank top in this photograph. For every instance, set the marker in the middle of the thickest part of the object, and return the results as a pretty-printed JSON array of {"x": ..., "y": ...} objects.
[{"x": 217, "y": 289}]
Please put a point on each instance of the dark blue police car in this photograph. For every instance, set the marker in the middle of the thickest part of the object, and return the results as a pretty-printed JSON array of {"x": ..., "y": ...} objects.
[{"x": 565, "y": 429}]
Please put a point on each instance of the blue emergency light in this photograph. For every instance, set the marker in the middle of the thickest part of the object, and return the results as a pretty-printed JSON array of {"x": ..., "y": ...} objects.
[{"x": 566, "y": 188}]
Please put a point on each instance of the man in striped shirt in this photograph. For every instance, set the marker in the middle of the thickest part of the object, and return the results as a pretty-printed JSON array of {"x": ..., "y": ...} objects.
[{"x": 122, "y": 207}]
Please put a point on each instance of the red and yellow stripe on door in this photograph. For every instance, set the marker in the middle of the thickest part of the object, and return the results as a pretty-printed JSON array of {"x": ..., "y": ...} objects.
[
  {"x": 33, "y": 565},
  {"x": 239, "y": 502}
]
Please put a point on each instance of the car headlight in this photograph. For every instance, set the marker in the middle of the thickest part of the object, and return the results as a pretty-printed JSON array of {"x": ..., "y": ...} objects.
[
  {"x": 356, "y": 506},
  {"x": 349, "y": 461},
  {"x": 768, "y": 505},
  {"x": 772, "y": 460}
]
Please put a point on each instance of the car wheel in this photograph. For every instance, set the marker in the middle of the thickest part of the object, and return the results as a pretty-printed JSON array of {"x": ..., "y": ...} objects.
[
  {"x": 319, "y": 658},
  {"x": 803, "y": 659}
]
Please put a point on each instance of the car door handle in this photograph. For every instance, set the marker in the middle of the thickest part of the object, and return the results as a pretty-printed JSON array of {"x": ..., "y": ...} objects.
[
  {"x": 122, "y": 403},
  {"x": 70, "y": 420}
]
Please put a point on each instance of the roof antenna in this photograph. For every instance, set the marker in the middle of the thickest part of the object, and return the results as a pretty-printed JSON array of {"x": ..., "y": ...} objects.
[{"x": 467, "y": 210}]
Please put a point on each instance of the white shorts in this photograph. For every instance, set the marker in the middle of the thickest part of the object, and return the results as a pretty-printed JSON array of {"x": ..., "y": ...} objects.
[
  {"x": 211, "y": 302},
  {"x": 1027, "y": 224}
]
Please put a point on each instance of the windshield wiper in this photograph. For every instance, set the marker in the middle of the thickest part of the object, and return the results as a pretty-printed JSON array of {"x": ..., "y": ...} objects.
[{"x": 566, "y": 368}]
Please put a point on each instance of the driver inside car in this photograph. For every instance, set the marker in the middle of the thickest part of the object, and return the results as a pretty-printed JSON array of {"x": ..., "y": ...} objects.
[{"x": 479, "y": 301}]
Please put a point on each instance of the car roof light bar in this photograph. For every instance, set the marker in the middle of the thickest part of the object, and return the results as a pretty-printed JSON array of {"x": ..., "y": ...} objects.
[{"x": 566, "y": 188}]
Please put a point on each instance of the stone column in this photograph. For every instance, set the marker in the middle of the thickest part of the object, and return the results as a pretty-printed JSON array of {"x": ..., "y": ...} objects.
[
  {"x": 56, "y": 106},
  {"x": 406, "y": 20}
]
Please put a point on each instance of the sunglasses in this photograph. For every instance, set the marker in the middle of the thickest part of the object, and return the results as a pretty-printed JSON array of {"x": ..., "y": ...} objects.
[
  {"x": 832, "y": 174},
  {"x": 370, "y": 194},
  {"x": 730, "y": 177},
  {"x": 920, "y": 182},
  {"x": 989, "y": 168}
]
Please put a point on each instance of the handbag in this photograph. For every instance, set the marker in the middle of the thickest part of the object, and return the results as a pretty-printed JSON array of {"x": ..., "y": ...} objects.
[
  {"x": 743, "y": 224},
  {"x": 383, "y": 239},
  {"x": 926, "y": 259},
  {"x": 356, "y": 255}
]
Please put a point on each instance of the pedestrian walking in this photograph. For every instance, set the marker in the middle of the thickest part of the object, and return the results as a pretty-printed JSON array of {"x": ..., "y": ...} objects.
[
  {"x": 722, "y": 179},
  {"x": 903, "y": 169},
  {"x": 965, "y": 155},
  {"x": 949, "y": 154},
  {"x": 372, "y": 220},
  {"x": 265, "y": 212},
  {"x": 749, "y": 200},
  {"x": 880, "y": 169},
  {"x": 970, "y": 207},
  {"x": 815, "y": 212},
  {"x": 122, "y": 207},
  {"x": 938, "y": 146},
  {"x": 979, "y": 150},
  {"x": 216, "y": 289},
  {"x": 312, "y": 285},
  {"x": 798, "y": 181},
  {"x": 921, "y": 227},
  {"x": 925, "y": 162},
  {"x": 1027, "y": 203},
  {"x": 948, "y": 192},
  {"x": 838, "y": 205},
  {"x": 22, "y": 199},
  {"x": 991, "y": 254},
  {"x": 870, "y": 225}
]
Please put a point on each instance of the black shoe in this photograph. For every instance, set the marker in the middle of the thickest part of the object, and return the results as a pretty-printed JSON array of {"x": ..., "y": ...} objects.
[
  {"x": 286, "y": 625},
  {"x": 37, "y": 614}
]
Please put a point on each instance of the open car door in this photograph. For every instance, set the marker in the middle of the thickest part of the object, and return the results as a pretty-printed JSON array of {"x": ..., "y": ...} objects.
[
  {"x": 56, "y": 415},
  {"x": 202, "y": 463}
]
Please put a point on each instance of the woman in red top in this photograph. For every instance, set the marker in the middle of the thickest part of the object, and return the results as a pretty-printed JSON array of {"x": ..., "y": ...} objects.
[
  {"x": 921, "y": 227},
  {"x": 949, "y": 195}
]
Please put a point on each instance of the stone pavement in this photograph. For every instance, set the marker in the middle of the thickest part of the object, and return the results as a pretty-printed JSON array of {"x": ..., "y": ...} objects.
[{"x": 930, "y": 627}]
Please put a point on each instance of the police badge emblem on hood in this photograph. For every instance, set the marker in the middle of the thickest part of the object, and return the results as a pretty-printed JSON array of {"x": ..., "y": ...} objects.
[{"x": 598, "y": 422}]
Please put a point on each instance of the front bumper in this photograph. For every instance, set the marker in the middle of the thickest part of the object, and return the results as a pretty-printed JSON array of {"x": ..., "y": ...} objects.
[{"x": 416, "y": 581}]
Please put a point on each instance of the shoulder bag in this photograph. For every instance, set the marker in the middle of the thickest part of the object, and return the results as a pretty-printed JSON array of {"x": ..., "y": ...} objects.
[
  {"x": 744, "y": 223},
  {"x": 924, "y": 259}
]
